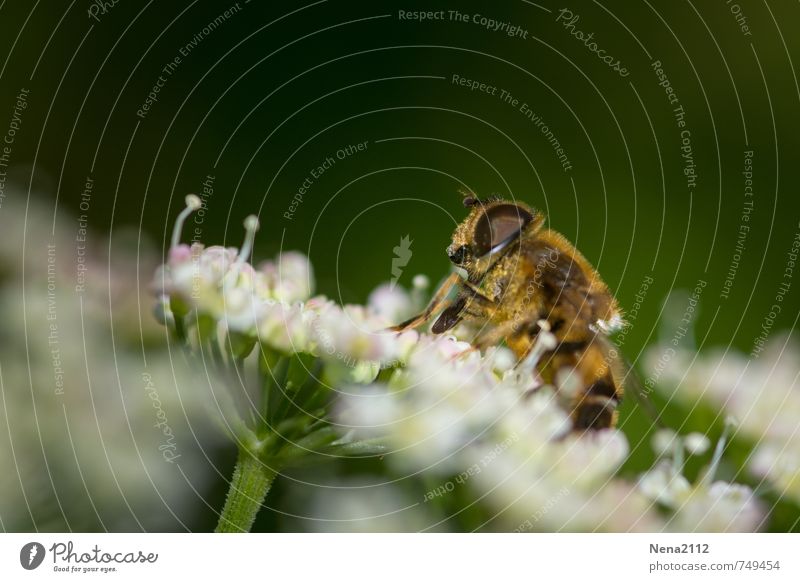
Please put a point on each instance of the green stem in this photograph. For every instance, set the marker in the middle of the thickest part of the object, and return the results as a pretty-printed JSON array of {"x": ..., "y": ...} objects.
[{"x": 249, "y": 486}]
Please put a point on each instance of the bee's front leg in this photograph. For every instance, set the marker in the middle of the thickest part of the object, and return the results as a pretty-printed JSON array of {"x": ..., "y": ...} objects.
[
  {"x": 471, "y": 304},
  {"x": 437, "y": 303}
]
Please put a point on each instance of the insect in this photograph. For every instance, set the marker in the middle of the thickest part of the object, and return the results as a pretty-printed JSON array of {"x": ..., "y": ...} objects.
[{"x": 521, "y": 278}]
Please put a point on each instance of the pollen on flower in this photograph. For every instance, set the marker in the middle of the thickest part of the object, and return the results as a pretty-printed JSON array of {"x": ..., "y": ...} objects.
[
  {"x": 251, "y": 223},
  {"x": 193, "y": 202}
]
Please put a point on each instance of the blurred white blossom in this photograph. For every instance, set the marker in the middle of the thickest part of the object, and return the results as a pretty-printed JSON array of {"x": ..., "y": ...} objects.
[
  {"x": 99, "y": 428},
  {"x": 288, "y": 278},
  {"x": 762, "y": 394},
  {"x": 453, "y": 411}
]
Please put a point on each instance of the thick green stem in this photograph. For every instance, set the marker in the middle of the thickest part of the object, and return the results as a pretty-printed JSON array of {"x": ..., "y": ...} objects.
[{"x": 249, "y": 486}]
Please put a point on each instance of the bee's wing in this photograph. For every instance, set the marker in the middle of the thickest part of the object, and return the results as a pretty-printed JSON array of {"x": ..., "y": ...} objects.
[{"x": 627, "y": 377}]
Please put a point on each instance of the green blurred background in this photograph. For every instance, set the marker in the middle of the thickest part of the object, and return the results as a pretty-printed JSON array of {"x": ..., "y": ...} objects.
[{"x": 262, "y": 98}]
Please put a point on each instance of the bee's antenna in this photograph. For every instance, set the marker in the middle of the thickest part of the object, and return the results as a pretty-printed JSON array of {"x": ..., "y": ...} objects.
[{"x": 470, "y": 199}]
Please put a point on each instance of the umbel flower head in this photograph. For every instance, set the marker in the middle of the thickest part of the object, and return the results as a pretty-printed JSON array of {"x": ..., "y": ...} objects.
[{"x": 332, "y": 382}]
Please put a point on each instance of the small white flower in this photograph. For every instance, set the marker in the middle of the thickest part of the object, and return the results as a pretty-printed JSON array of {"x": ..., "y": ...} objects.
[
  {"x": 502, "y": 359},
  {"x": 663, "y": 441},
  {"x": 368, "y": 409},
  {"x": 352, "y": 333},
  {"x": 193, "y": 275},
  {"x": 544, "y": 342},
  {"x": 286, "y": 328},
  {"x": 569, "y": 383},
  {"x": 420, "y": 282},
  {"x": 662, "y": 484},
  {"x": 391, "y": 303},
  {"x": 696, "y": 443},
  {"x": 289, "y": 278},
  {"x": 240, "y": 310}
]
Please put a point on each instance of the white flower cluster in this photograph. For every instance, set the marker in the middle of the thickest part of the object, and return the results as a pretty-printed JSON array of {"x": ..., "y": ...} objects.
[
  {"x": 273, "y": 305},
  {"x": 708, "y": 505},
  {"x": 451, "y": 411},
  {"x": 763, "y": 395}
]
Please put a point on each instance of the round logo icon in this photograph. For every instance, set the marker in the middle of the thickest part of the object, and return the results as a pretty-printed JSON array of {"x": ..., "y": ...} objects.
[{"x": 31, "y": 555}]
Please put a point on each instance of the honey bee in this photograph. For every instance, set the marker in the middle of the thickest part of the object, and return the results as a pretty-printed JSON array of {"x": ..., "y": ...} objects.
[{"x": 521, "y": 278}]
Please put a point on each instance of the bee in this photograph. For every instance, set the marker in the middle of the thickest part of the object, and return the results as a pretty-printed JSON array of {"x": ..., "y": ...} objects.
[{"x": 522, "y": 278}]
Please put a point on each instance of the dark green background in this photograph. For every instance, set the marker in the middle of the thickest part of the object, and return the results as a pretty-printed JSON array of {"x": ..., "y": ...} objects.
[{"x": 279, "y": 86}]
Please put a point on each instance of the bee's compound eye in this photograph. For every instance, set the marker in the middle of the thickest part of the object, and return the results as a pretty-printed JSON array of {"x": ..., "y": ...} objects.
[
  {"x": 457, "y": 255},
  {"x": 499, "y": 225}
]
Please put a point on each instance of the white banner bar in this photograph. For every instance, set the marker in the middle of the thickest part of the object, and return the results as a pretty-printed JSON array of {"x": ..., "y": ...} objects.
[{"x": 401, "y": 557}]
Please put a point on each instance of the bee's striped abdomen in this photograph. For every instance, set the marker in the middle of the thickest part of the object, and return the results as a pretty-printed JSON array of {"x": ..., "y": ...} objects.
[{"x": 594, "y": 404}]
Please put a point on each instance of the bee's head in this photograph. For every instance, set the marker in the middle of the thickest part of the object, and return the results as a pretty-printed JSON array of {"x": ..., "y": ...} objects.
[{"x": 490, "y": 227}]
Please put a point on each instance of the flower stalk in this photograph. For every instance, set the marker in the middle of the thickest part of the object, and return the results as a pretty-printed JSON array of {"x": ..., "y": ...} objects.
[{"x": 252, "y": 479}]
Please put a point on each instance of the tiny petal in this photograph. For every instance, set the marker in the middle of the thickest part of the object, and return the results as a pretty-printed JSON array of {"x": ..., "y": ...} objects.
[
  {"x": 663, "y": 440},
  {"x": 390, "y": 302},
  {"x": 696, "y": 443},
  {"x": 569, "y": 384},
  {"x": 420, "y": 282},
  {"x": 662, "y": 485},
  {"x": 502, "y": 359},
  {"x": 289, "y": 277}
]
